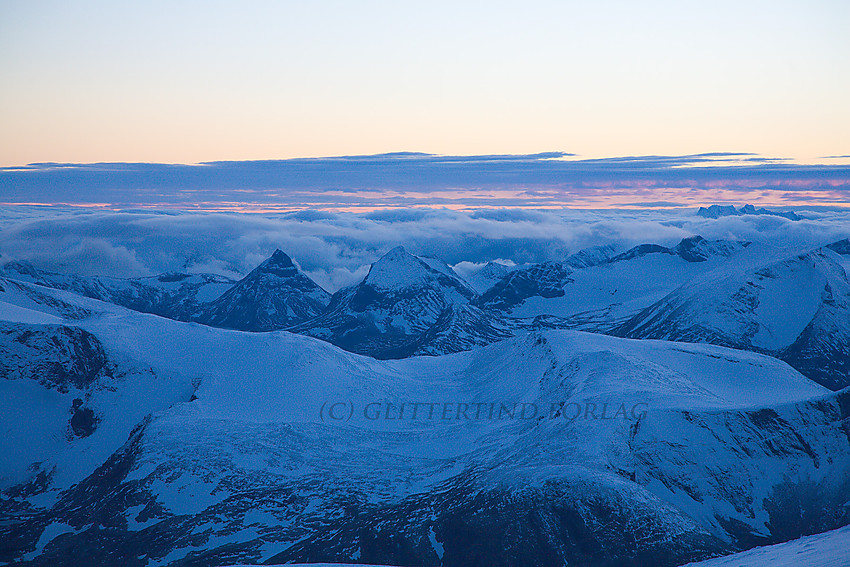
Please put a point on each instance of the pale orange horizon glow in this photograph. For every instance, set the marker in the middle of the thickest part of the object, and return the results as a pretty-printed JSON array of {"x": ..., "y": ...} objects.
[{"x": 180, "y": 82}]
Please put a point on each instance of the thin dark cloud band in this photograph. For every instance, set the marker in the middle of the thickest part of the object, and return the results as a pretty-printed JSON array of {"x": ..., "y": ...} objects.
[{"x": 416, "y": 179}]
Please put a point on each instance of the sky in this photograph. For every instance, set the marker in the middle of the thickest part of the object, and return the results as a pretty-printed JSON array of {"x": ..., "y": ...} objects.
[{"x": 184, "y": 82}]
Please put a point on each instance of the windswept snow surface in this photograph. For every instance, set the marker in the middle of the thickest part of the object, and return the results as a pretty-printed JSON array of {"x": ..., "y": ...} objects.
[
  {"x": 830, "y": 549},
  {"x": 795, "y": 307},
  {"x": 598, "y": 294}
]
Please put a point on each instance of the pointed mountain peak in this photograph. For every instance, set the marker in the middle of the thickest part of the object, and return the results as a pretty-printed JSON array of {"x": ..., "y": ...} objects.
[
  {"x": 397, "y": 254},
  {"x": 278, "y": 260},
  {"x": 841, "y": 247},
  {"x": 275, "y": 295},
  {"x": 278, "y": 264},
  {"x": 397, "y": 269}
]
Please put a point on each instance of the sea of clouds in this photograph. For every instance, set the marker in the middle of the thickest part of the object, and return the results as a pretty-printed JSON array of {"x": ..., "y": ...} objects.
[{"x": 336, "y": 248}]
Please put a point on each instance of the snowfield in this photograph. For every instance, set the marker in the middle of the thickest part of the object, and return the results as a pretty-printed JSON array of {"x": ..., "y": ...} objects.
[{"x": 830, "y": 549}]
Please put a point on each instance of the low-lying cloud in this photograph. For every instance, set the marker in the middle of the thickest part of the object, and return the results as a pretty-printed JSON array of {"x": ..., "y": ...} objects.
[{"x": 337, "y": 248}]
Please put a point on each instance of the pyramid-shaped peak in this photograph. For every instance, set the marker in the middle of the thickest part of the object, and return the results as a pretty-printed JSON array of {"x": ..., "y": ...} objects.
[
  {"x": 692, "y": 240},
  {"x": 397, "y": 253},
  {"x": 278, "y": 260},
  {"x": 398, "y": 269}
]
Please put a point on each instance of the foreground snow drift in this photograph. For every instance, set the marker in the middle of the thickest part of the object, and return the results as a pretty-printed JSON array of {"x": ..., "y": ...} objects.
[{"x": 830, "y": 549}]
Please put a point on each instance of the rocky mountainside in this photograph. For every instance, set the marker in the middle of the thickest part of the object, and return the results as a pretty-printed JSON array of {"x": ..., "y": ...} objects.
[{"x": 545, "y": 280}]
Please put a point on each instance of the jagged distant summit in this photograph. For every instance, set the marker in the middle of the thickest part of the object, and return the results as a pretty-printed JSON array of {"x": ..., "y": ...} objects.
[
  {"x": 275, "y": 295},
  {"x": 405, "y": 305},
  {"x": 717, "y": 211}
]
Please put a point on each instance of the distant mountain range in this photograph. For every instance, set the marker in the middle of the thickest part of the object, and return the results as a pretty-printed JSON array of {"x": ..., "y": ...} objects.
[
  {"x": 717, "y": 211},
  {"x": 790, "y": 305}
]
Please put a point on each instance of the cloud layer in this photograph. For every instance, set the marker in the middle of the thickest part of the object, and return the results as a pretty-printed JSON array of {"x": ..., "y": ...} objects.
[
  {"x": 398, "y": 180},
  {"x": 336, "y": 248}
]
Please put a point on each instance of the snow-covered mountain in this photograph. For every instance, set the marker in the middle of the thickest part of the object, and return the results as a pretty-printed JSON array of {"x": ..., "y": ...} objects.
[
  {"x": 483, "y": 279},
  {"x": 275, "y": 295},
  {"x": 692, "y": 249},
  {"x": 593, "y": 256},
  {"x": 404, "y": 306},
  {"x": 176, "y": 296},
  {"x": 538, "y": 280},
  {"x": 717, "y": 211},
  {"x": 492, "y": 272},
  {"x": 213, "y": 447},
  {"x": 796, "y": 308},
  {"x": 597, "y": 291}
]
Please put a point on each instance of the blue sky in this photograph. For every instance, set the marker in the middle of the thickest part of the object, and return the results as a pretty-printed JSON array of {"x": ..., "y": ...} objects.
[{"x": 189, "y": 82}]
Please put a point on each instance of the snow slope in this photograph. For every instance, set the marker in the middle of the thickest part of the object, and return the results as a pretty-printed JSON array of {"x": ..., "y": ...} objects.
[
  {"x": 220, "y": 447},
  {"x": 830, "y": 549},
  {"x": 795, "y": 307},
  {"x": 602, "y": 295}
]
